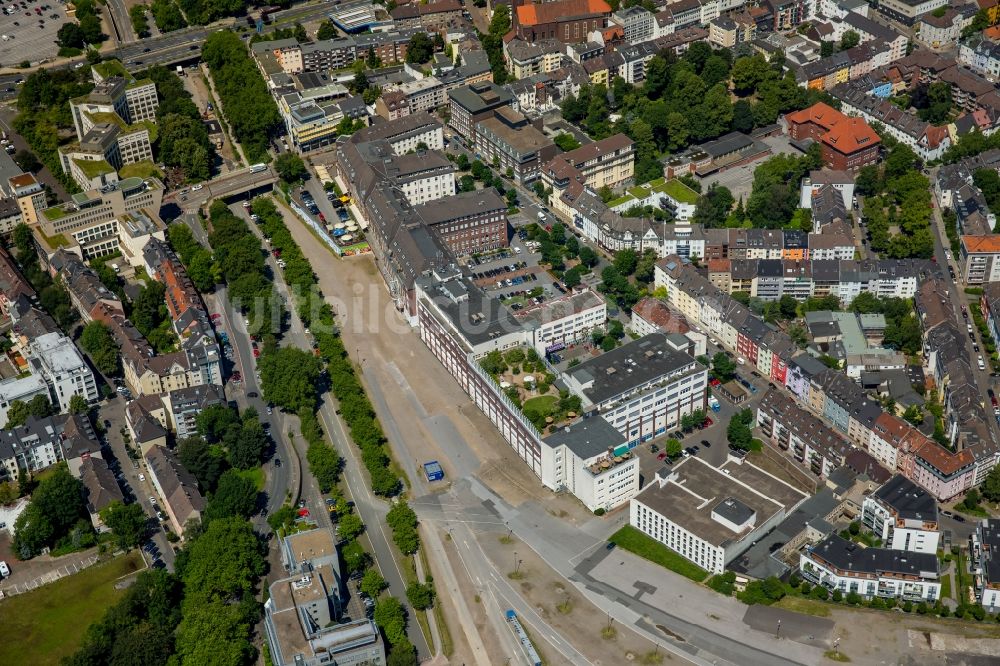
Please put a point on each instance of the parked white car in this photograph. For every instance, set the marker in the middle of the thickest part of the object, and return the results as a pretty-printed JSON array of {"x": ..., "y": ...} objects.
[{"x": 4, "y": 570}]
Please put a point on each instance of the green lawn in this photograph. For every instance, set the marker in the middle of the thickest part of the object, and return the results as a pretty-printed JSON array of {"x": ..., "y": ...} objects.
[
  {"x": 635, "y": 541},
  {"x": 143, "y": 169},
  {"x": 945, "y": 586},
  {"x": 543, "y": 403},
  {"x": 255, "y": 475},
  {"x": 47, "y": 624}
]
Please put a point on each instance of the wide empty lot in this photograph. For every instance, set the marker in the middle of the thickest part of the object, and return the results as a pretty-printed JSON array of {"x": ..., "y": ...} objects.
[{"x": 29, "y": 40}]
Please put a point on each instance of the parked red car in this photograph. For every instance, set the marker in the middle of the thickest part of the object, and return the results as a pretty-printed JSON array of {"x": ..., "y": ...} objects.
[
  {"x": 661, "y": 456},
  {"x": 714, "y": 382},
  {"x": 706, "y": 423}
]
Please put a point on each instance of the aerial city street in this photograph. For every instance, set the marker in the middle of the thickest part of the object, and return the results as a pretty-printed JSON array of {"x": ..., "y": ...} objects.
[{"x": 565, "y": 332}]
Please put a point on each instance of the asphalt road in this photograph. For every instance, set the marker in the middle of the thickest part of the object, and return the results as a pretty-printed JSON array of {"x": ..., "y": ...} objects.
[
  {"x": 121, "y": 23},
  {"x": 171, "y": 48},
  {"x": 114, "y": 411}
]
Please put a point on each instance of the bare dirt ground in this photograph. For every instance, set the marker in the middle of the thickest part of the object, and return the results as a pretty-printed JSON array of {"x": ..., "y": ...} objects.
[{"x": 568, "y": 612}]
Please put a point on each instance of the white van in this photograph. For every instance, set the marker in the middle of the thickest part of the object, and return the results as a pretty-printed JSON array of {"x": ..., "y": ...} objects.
[
  {"x": 541, "y": 216},
  {"x": 982, "y": 363}
]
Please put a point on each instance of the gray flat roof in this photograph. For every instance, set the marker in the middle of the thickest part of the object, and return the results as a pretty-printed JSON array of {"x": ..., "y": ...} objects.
[
  {"x": 633, "y": 364},
  {"x": 587, "y": 437},
  {"x": 908, "y": 499},
  {"x": 695, "y": 488}
]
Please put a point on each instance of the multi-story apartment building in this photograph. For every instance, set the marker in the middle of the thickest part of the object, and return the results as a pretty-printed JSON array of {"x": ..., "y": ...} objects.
[
  {"x": 643, "y": 388},
  {"x": 907, "y": 11},
  {"x": 589, "y": 459},
  {"x": 903, "y": 515},
  {"x": 41, "y": 443},
  {"x": 838, "y": 564},
  {"x": 424, "y": 94},
  {"x": 526, "y": 59},
  {"x": 474, "y": 103},
  {"x": 327, "y": 54},
  {"x": 182, "y": 406},
  {"x": 562, "y": 321},
  {"x": 609, "y": 162},
  {"x": 30, "y": 196},
  {"x": 982, "y": 55},
  {"x": 509, "y": 140},
  {"x": 984, "y": 556},
  {"x": 637, "y": 23},
  {"x": 56, "y": 359},
  {"x": 177, "y": 487},
  {"x": 980, "y": 259},
  {"x": 800, "y": 434}
]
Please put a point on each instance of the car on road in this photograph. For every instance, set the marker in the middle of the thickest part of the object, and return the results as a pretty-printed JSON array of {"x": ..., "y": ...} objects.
[
  {"x": 277, "y": 462},
  {"x": 197, "y": 187},
  {"x": 958, "y": 519},
  {"x": 707, "y": 444},
  {"x": 142, "y": 477},
  {"x": 661, "y": 456},
  {"x": 4, "y": 570},
  {"x": 252, "y": 394}
]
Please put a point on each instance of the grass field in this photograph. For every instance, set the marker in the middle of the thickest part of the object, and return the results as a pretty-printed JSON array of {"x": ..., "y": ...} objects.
[
  {"x": 543, "y": 403},
  {"x": 47, "y": 624},
  {"x": 635, "y": 541},
  {"x": 945, "y": 586},
  {"x": 806, "y": 606},
  {"x": 256, "y": 475}
]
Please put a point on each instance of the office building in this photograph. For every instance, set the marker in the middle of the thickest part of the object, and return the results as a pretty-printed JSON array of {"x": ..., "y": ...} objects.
[{"x": 711, "y": 516}]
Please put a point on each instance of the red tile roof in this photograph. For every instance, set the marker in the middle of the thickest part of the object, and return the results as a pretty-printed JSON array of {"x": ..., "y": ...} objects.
[
  {"x": 851, "y": 135},
  {"x": 551, "y": 12},
  {"x": 819, "y": 113}
]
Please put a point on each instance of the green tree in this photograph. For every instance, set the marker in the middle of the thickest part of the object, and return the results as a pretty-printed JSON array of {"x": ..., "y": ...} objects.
[
  {"x": 127, "y": 522},
  {"x": 17, "y": 414},
  {"x": 749, "y": 72},
  {"x": 849, "y": 40},
  {"x": 372, "y": 583},
  {"x": 235, "y": 495},
  {"x": 78, "y": 404},
  {"x": 327, "y": 30},
  {"x": 27, "y": 161},
  {"x": 56, "y": 507},
  {"x": 420, "y": 49},
  {"x": 349, "y": 527},
  {"x": 290, "y": 168},
  {"x": 288, "y": 377},
  {"x": 204, "y": 461},
  {"x": 723, "y": 367},
  {"x": 673, "y": 448},
  {"x": 990, "y": 488},
  {"x": 390, "y": 617},
  {"x": 137, "y": 14},
  {"x": 70, "y": 36},
  {"x": 98, "y": 342},
  {"x": 420, "y": 595}
]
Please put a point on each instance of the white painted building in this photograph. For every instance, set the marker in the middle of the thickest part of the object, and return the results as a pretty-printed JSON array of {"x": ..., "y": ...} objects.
[
  {"x": 63, "y": 368},
  {"x": 903, "y": 515},
  {"x": 642, "y": 388},
  {"x": 589, "y": 459},
  {"x": 984, "y": 556},
  {"x": 711, "y": 516},
  {"x": 553, "y": 324},
  {"x": 838, "y": 564}
]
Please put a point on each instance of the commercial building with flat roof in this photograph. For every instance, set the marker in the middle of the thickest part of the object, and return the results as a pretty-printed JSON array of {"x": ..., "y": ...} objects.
[
  {"x": 304, "y": 617},
  {"x": 509, "y": 139},
  {"x": 711, "y": 516},
  {"x": 642, "y": 388}
]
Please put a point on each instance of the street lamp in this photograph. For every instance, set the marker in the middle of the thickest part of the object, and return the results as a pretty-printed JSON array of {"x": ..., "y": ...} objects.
[{"x": 778, "y": 630}]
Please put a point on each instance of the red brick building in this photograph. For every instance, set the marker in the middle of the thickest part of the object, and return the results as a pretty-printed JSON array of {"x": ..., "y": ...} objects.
[
  {"x": 848, "y": 143},
  {"x": 569, "y": 21}
]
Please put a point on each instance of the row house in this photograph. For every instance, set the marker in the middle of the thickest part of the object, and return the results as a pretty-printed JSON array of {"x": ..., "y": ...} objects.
[
  {"x": 982, "y": 55},
  {"x": 800, "y": 434},
  {"x": 828, "y": 394},
  {"x": 929, "y": 142}
]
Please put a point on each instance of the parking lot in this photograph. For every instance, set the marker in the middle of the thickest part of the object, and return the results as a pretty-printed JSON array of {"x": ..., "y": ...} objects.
[{"x": 30, "y": 35}]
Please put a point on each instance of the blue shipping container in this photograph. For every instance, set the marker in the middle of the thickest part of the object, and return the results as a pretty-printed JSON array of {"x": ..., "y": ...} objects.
[{"x": 433, "y": 471}]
